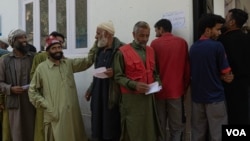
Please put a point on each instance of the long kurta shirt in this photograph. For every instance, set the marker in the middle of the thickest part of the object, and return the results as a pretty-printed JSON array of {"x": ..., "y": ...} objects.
[
  {"x": 53, "y": 88},
  {"x": 105, "y": 120},
  {"x": 39, "y": 58},
  {"x": 139, "y": 120},
  {"x": 14, "y": 71}
]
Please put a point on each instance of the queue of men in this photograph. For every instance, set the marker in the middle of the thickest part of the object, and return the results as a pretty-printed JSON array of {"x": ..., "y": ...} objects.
[{"x": 39, "y": 100}]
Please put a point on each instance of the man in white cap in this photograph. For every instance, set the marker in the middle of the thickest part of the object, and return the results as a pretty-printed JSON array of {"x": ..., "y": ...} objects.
[
  {"x": 14, "y": 81},
  {"x": 53, "y": 90},
  {"x": 105, "y": 119},
  {"x": 3, "y": 46}
]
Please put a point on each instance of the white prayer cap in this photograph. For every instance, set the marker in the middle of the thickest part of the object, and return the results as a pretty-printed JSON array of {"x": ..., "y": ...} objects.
[{"x": 108, "y": 26}]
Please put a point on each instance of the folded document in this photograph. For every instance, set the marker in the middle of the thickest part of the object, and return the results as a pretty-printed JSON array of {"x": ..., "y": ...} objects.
[{"x": 153, "y": 88}]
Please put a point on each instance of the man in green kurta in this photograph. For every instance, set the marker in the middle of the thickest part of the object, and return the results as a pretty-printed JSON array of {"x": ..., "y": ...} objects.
[
  {"x": 39, "y": 58},
  {"x": 134, "y": 69},
  {"x": 53, "y": 89}
]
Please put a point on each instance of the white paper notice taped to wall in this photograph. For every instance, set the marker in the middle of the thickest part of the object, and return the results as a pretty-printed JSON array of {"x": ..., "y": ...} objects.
[{"x": 177, "y": 18}]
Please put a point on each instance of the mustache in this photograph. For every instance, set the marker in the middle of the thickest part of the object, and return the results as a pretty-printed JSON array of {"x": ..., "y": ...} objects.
[{"x": 57, "y": 55}]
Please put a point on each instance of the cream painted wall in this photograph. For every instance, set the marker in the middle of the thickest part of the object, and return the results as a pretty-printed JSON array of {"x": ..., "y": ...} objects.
[
  {"x": 10, "y": 15},
  {"x": 125, "y": 13}
]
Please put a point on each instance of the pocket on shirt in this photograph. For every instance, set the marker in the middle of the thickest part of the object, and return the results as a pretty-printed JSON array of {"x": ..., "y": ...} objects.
[{"x": 51, "y": 115}]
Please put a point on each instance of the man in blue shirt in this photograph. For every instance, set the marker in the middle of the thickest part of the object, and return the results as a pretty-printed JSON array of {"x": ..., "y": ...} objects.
[{"x": 209, "y": 66}]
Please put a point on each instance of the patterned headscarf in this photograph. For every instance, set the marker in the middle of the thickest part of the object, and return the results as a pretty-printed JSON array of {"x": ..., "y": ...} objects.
[
  {"x": 13, "y": 34},
  {"x": 51, "y": 40}
]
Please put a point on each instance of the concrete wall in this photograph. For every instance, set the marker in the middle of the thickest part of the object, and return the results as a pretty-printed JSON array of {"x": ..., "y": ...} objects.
[
  {"x": 125, "y": 13},
  {"x": 10, "y": 15}
]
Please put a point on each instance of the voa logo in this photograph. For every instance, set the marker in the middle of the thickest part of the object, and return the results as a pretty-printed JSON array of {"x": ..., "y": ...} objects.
[{"x": 236, "y": 132}]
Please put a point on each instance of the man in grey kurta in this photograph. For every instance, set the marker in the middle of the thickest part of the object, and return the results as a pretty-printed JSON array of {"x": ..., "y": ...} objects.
[
  {"x": 14, "y": 78},
  {"x": 53, "y": 88}
]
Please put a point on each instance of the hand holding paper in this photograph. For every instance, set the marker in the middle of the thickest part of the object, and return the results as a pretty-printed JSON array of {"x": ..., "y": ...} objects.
[
  {"x": 25, "y": 87},
  {"x": 99, "y": 72},
  {"x": 153, "y": 88}
]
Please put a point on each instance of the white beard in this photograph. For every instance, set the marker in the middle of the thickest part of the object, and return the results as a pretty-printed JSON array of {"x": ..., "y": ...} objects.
[{"x": 102, "y": 42}]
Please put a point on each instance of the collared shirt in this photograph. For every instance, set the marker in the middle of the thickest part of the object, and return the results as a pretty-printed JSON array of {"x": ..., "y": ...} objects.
[{"x": 53, "y": 88}]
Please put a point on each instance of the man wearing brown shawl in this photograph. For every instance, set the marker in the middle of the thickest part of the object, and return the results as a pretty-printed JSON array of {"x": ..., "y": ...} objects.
[{"x": 14, "y": 79}]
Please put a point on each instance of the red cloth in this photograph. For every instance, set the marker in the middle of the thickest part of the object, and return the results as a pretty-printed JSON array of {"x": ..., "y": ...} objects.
[
  {"x": 172, "y": 61},
  {"x": 135, "y": 68}
]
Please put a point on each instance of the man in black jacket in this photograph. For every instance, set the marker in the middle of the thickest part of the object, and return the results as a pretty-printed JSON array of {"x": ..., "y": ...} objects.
[{"x": 237, "y": 47}]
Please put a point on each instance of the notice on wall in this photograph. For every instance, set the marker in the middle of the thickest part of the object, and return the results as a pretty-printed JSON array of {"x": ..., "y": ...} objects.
[{"x": 177, "y": 18}]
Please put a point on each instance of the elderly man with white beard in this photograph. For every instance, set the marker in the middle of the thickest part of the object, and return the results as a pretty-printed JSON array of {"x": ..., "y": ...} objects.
[{"x": 104, "y": 92}]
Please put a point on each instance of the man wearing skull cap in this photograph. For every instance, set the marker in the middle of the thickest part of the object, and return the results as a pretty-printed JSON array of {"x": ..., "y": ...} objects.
[
  {"x": 53, "y": 89},
  {"x": 14, "y": 82},
  {"x": 105, "y": 119}
]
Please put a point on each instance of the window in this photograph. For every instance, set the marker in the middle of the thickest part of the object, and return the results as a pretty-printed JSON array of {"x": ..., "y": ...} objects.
[
  {"x": 81, "y": 23},
  {"x": 68, "y": 17},
  {"x": 44, "y": 23},
  {"x": 61, "y": 18},
  {"x": 29, "y": 21}
]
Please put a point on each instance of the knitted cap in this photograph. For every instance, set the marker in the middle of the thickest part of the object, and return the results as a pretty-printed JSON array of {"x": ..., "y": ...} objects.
[
  {"x": 13, "y": 34},
  {"x": 108, "y": 26}
]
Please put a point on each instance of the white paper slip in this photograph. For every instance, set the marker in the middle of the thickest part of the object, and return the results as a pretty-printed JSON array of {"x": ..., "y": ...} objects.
[
  {"x": 99, "y": 72},
  {"x": 25, "y": 87},
  {"x": 153, "y": 88}
]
